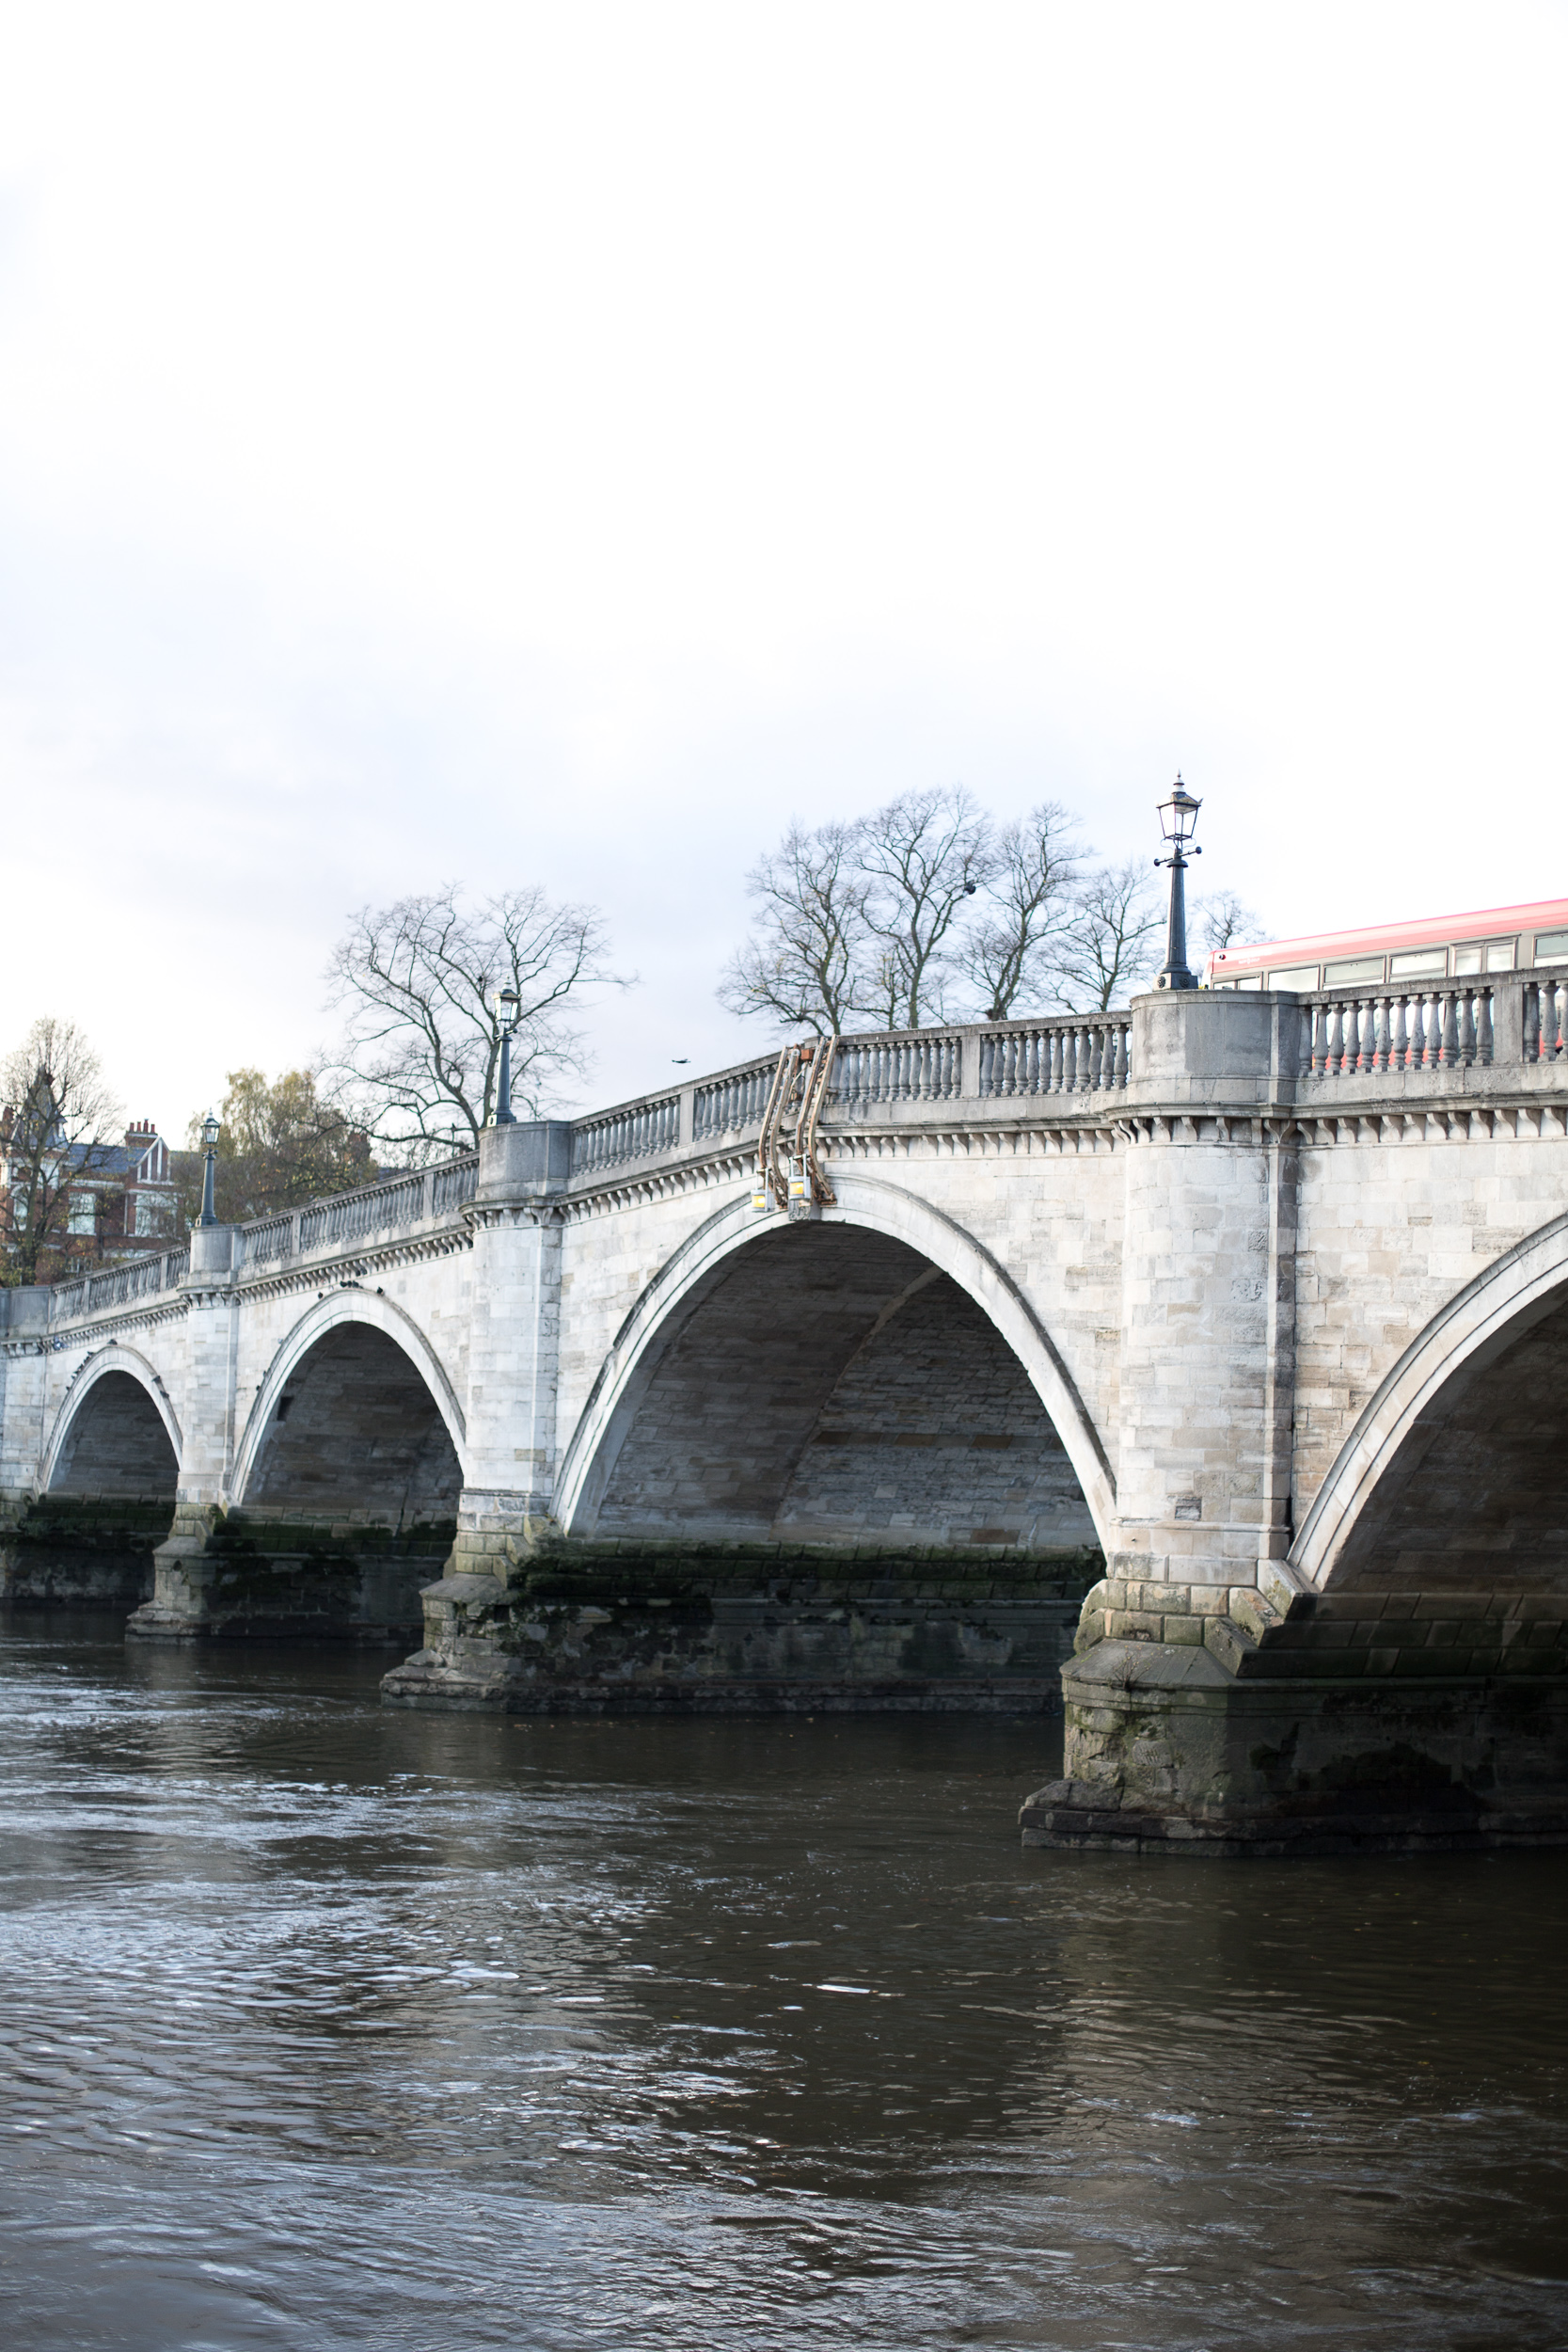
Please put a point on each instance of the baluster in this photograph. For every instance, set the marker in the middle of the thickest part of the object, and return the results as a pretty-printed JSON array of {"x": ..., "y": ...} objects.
[
  {"x": 1484, "y": 1036},
  {"x": 1415, "y": 1013},
  {"x": 1447, "y": 1009},
  {"x": 1467, "y": 1026},
  {"x": 1317, "y": 1052},
  {"x": 1551, "y": 1021},
  {"x": 1401, "y": 1032},
  {"x": 1122, "y": 1035},
  {"x": 1334, "y": 1053},
  {"x": 1097, "y": 1055},
  {"x": 1533, "y": 1022}
]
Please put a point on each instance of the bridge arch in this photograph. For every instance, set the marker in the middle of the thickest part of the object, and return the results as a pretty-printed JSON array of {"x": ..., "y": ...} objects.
[
  {"x": 917, "y": 1249},
  {"x": 116, "y": 1432},
  {"x": 356, "y": 1415},
  {"x": 1454, "y": 1474}
]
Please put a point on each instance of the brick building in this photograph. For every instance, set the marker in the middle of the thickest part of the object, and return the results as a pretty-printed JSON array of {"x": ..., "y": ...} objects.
[{"x": 122, "y": 1196}]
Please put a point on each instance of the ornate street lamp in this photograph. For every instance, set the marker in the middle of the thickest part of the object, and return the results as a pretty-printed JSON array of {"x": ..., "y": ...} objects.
[
  {"x": 210, "y": 1134},
  {"x": 508, "y": 1012},
  {"x": 1177, "y": 819}
]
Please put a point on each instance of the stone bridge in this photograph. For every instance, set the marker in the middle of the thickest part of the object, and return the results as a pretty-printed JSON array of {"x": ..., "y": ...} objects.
[{"x": 1227, "y": 1336}]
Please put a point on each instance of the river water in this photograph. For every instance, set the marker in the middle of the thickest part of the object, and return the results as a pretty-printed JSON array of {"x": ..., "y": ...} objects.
[{"x": 329, "y": 2025}]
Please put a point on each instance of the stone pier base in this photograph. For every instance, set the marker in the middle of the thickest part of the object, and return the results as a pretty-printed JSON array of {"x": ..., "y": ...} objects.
[
  {"x": 669, "y": 1629},
  {"x": 1168, "y": 1751},
  {"x": 268, "y": 1576},
  {"x": 81, "y": 1551}
]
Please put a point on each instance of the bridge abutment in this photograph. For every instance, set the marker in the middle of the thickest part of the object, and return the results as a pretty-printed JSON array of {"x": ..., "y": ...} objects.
[{"x": 1219, "y": 1702}]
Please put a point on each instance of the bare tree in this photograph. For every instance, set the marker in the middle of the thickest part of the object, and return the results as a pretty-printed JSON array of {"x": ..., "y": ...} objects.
[
  {"x": 417, "y": 1067},
  {"x": 1008, "y": 958},
  {"x": 58, "y": 1129},
  {"x": 1222, "y": 916},
  {"x": 804, "y": 964},
  {"x": 924, "y": 857},
  {"x": 1111, "y": 942}
]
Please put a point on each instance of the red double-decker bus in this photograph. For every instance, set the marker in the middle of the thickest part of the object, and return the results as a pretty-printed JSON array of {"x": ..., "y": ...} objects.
[{"x": 1445, "y": 946}]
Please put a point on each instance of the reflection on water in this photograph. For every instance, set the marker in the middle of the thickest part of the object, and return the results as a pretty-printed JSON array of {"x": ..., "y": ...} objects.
[{"x": 329, "y": 2025}]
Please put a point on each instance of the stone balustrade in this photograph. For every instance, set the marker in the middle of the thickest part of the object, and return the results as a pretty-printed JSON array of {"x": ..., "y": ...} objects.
[
  {"x": 423, "y": 1195},
  {"x": 1392, "y": 1042}
]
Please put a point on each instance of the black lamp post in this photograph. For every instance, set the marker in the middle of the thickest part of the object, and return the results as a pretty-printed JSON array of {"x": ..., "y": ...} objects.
[
  {"x": 508, "y": 1006},
  {"x": 1177, "y": 819},
  {"x": 210, "y": 1133}
]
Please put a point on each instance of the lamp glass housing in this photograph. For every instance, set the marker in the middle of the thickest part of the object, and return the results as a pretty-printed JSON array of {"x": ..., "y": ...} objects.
[
  {"x": 211, "y": 1132},
  {"x": 1178, "y": 814}
]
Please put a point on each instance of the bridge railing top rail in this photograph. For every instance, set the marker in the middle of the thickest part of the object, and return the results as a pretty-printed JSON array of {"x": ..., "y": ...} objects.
[
  {"x": 1048, "y": 1053},
  {"x": 1500, "y": 1021},
  {"x": 395, "y": 1203},
  {"x": 412, "y": 1198},
  {"x": 117, "y": 1285}
]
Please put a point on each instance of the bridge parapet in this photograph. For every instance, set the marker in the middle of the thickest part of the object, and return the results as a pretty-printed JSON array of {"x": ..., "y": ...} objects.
[
  {"x": 895, "y": 1074},
  {"x": 398, "y": 1203}
]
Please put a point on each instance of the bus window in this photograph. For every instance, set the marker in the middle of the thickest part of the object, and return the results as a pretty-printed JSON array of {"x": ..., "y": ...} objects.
[
  {"x": 1356, "y": 970},
  {"x": 1464, "y": 959},
  {"x": 1300, "y": 976},
  {"x": 1500, "y": 956},
  {"x": 1551, "y": 946},
  {"x": 1429, "y": 962}
]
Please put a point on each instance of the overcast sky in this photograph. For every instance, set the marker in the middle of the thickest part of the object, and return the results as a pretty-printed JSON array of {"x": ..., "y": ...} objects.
[{"x": 560, "y": 443}]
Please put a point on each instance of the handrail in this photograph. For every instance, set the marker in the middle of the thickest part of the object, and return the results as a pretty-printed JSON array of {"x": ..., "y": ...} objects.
[
  {"x": 117, "y": 1286},
  {"x": 396, "y": 1201}
]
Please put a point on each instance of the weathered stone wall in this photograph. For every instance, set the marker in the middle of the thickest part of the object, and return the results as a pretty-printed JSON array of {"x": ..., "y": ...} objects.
[
  {"x": 645, "y": 1628},
  {"x": 271, "y": 1574},
  {"x": 1046, "y": 1208},
  {"x": 1397, "y": 1213},
  {"x": 933, "y": 1435},
  {"x": 116, "y": 1445},
  {"x": 355, "y": 1431},
  {"x": 1476, "y": 1499},
  {"x": 82, "y": 1551}
]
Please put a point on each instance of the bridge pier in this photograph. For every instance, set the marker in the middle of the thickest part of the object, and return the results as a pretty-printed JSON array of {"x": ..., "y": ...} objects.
[{"x": 1219, "y": 1700}]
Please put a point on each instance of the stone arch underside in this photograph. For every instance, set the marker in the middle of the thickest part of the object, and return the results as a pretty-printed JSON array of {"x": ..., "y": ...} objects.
[
  {"x": 833, "y": 1386},
  {"x": 1473, "y": 1497},
  {"x": 355, "y": 1433},
  {"x": 116, "y": 1444}
]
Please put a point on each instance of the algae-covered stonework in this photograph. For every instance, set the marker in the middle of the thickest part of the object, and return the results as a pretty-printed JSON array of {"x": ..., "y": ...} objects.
[{"x": 640, "y": 1628}]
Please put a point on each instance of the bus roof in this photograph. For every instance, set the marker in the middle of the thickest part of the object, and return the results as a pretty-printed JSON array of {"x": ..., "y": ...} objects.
[{"x": 1483, "y": 923}]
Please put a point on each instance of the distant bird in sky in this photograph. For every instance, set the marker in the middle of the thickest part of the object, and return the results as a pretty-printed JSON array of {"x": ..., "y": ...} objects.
[{"x": 680, "y": 1061}]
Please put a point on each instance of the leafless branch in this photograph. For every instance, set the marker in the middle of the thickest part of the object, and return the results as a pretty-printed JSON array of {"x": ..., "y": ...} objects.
[
  {"x": 1112, "y": 942},
  {"x": 418, "y": 1063},
  {"x": 1008, "y": 959}
]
